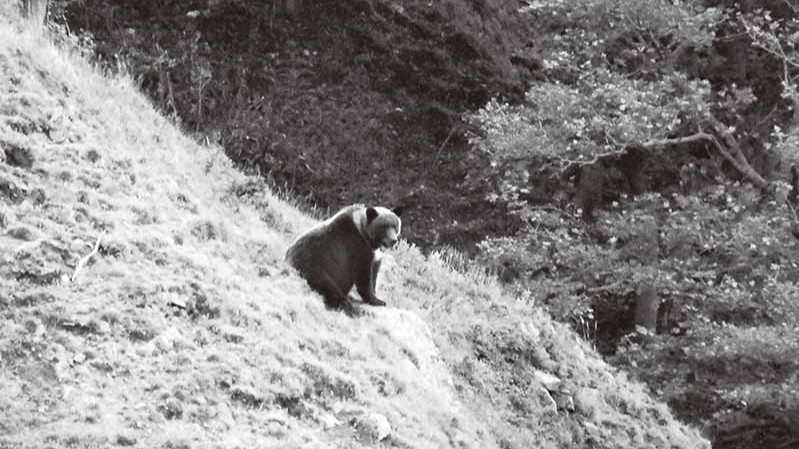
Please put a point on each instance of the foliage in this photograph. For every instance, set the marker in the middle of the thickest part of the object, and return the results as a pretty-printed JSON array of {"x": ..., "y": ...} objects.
[
  {"x": 723, "y": 266},
  {"x": 599, "y": 112},
  {"x": 186, "y": 329}
]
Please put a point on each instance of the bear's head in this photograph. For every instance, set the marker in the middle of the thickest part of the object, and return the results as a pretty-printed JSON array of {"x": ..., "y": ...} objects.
[{"x": 382, "y": 227}]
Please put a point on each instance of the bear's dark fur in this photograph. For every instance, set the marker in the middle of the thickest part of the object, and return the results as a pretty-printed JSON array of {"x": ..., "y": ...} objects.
[{"x": 342, "y": 252}]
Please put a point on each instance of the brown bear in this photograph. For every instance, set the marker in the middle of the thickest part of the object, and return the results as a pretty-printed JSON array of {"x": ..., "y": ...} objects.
[{"x": 345, "y": 250}]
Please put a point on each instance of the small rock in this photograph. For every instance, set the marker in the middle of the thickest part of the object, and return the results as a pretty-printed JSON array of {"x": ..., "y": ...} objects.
[
  {"x": 592, "y": 429},
  {"x": 587, "y": 401},
  {"x": 564, "y": 400},
  {"x": 549, "y": 381},
  {"x": 546, "y": 401},
  {"x": 328, "y": 421},
  {"x": 171, "y": 339},
  {"x": 372, "y": 427},
  {"x": 79, "y": 246},
  {"x": 78, "y": 358},
  {"x": 125, "y": 440},
  {"x": 180, "y": 303},
  {"x": 275, "y": 429},
  {"x": 146, "y": 350}
]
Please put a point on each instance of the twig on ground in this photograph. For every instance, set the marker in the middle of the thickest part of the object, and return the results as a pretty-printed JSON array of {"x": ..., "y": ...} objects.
[{"x": 83, "y": 261}]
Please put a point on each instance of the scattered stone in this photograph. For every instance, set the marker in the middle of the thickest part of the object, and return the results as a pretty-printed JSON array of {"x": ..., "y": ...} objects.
[
  {"x": 146, "y": 350},
  {"x": 549, "y": 381},
  {"x": 77, "y": 359},
  {"x": 79, "y": 246},
  {"x": 180, "y": 303},
  {"x": 276, "y": 425},
  {"x": 564, "y": 399},
  {"x": 275, "y": 429},
  {"x": 372, "y": 427},
  {"x": 264, "y": 272},
  {"x": 587, "y": 401},
  {"x": 171, "y": 339},
  {"x": 546, "y": 401},
  {"x": 328, "y": 421},
  {"x": 125, "y": 440}
]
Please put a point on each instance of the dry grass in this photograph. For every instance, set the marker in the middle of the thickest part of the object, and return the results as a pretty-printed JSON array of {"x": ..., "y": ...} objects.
[{"x": 186, "y": 329}]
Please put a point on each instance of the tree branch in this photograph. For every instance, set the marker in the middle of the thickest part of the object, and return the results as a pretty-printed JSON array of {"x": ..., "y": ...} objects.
[
  {"x": 84, "y": 260},
  {"x": 730, "y": 150},
  {"x": 735, "y": 154}
]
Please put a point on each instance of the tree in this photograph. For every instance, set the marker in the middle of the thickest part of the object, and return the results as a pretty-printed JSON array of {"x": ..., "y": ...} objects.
[{"x": 621, "y": 88}]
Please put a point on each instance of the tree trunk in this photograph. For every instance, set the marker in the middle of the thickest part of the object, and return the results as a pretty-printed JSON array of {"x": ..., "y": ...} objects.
[
  {"x": 646, "y": 308},
  {"x": 35, "y": 12}
]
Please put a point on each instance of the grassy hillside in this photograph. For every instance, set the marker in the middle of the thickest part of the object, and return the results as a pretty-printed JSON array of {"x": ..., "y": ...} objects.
[
  {"x": 346, "y": 100},
  {"x": 144, "y": 303}
]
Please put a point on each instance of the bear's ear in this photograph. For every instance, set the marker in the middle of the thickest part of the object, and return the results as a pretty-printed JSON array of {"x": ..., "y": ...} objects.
[
  {"x": 398, "y": 210},
  {"x": 371, "y": 214}
]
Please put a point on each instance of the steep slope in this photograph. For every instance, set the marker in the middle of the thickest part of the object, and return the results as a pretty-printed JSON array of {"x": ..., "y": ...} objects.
[
  {"x": 144, "y": 302},
  {"x": 352, "y": 99}
]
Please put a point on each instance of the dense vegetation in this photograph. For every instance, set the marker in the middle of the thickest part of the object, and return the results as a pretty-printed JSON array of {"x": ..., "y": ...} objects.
[
  {"x": 144, "y": 302},
  {"x": 655, "y": 169},
  {"x": 639, "y": 157}
]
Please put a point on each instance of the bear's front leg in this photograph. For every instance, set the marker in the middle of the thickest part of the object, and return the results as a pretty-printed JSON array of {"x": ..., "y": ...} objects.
[{"x": 366, "y": 285}]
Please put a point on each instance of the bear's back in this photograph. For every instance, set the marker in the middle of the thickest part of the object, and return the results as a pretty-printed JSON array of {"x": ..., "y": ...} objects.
[{"x": 333, "y": 249}]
